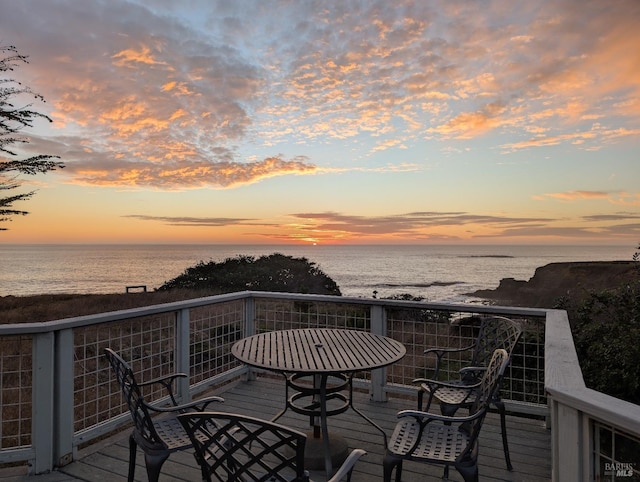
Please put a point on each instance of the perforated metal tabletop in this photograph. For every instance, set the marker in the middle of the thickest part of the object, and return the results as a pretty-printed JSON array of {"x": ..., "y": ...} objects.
[{"x": 318, "y": 350}]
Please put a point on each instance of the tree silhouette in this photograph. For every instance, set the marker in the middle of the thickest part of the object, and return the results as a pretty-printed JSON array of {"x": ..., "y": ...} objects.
[{"x": 12, "y": 120}]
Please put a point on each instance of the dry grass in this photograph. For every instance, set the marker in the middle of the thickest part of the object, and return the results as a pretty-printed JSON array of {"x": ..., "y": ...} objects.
[{"x": 25, "y": 309}]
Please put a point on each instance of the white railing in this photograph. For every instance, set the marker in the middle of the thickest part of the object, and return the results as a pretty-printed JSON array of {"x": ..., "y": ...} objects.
[
  {"x": 58, "y": 393},
  {"x": 580, "y": 415}
]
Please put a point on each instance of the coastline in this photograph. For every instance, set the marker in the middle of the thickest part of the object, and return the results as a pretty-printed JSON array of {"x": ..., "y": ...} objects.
[
  {"x": 573, "y": 280},
  {"x": 550, "y": 283}
]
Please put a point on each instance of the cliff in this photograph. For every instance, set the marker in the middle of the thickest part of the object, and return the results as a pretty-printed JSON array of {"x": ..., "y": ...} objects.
[{"x": 556, "y": 280}]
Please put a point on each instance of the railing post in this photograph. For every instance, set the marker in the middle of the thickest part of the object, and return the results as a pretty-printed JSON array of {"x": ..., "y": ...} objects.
[
  {"x": 64, "y": 451},
  {"x": 42, "y": 416},
  {"x": 183, "y": 342},
  {"x": 379, "y": 375},
  {"x": 249, "y": 327},
  {"x": 567, "y": 443}
]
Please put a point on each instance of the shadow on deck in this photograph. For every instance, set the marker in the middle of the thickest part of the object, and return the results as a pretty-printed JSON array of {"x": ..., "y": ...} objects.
[{"x": 529, "y": 442}]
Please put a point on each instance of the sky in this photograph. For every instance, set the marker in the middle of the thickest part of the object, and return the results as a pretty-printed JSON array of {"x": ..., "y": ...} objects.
[{"x": 330, "y": 122}]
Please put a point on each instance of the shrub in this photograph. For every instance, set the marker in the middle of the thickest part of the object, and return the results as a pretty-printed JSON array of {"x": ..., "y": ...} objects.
[
  {"x": 606, "y": 331},
  {"x": 607, "y": 335},
  {"x": 275, "y": 272}
]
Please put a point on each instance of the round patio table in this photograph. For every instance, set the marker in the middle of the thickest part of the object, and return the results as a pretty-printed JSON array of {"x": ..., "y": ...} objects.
[{"x": 331, "y": 357}]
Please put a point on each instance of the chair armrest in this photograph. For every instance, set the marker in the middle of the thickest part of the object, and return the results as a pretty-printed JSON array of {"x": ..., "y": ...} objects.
[
  {"x": 420, "y": 415},
  {"x": 163, "y": 379},
  {"x": 198, "y": 405},
  {"x": 439, "y": 384},
  {"x": 347, "y": 466},
  {"x": 167, "y": 382},
  {"x": 430, "y": 387},
  {"x": 441, "y": 352}
]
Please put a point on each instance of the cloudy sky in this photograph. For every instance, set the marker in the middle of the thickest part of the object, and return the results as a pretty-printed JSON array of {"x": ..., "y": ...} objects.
[{"x": 238, "y": 121}]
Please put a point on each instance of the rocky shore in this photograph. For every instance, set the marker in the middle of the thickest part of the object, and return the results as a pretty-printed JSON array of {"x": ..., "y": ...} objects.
[{"x": 556, "y": 280}]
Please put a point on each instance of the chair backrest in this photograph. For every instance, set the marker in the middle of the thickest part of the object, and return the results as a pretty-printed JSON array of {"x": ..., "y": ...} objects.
[
  {"x": 489, "y": 384},
  {"x": 492, "y": 376},
  {"x": 133, "y": 396},
  {"x": 232, "y": 447},
  {"x": 495, "y": 332}
]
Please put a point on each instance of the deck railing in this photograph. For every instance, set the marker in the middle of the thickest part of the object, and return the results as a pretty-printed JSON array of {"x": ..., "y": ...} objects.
[{"x": 57, "y": 393}]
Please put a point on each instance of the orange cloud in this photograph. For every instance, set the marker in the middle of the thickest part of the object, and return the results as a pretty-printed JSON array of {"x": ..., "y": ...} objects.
[
  {"x": 143, "y": 55},
  {"x": 184, "y": 174},
  {"x": 572, "y": 195},
  {"x": 472, "y": 124},
  {"x": 617, "y": 198},
  {"x": 542, "y": 140}
]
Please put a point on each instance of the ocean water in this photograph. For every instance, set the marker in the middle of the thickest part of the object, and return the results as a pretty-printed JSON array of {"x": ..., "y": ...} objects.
[{"x": 436, "y": 273}]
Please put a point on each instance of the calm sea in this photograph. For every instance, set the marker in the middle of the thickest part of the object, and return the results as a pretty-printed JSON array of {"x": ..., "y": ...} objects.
[{"x": 437, "y": 273}]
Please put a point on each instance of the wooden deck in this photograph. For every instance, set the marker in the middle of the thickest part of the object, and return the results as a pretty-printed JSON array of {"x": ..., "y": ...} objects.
[{"x": 529, "y": 441}]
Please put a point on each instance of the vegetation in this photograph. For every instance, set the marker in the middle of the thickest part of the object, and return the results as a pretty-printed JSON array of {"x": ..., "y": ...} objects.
[
  {"x": 275, "y": 272},
  {"x": 12, "y": 120},
  {"x": 606, "y": 331},
  {"x": 27, "y": 309}
]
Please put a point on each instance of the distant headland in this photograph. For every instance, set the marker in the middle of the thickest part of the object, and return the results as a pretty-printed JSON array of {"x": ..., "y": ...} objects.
[{"x": 553, "y": 281}]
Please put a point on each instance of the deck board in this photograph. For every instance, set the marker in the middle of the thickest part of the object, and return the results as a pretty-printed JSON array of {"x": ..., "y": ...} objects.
[{"x": 529, "y": 442}]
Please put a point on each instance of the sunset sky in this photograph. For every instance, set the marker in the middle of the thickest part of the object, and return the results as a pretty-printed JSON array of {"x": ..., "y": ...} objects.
[{"x": 363, "y": 122}]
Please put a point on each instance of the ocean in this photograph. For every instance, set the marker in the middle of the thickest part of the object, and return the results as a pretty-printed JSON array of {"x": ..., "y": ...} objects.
[{"x": 436, "y": 273}]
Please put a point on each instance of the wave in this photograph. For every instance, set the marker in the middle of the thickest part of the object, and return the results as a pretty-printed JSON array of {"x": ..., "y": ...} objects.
[
  {"x": 487, "y": 256},
  {"x": 416, "y": 285}
]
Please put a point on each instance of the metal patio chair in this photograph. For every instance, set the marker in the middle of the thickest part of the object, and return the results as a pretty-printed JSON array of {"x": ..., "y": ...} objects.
[
  {"x": 495, "y": 332},
  {"x": 440, "y": 439},
  {"x": 233, "y": 447},
  {"x": 157, "y": 437}
]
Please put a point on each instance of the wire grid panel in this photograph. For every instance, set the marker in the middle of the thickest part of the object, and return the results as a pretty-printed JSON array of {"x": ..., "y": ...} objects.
[
  {"x": 272, "y": 315},
  {"x": 214, "y": 329},
  {"x": 16, "y": 388},
  {"x": 524, "y": 378},
  {"x": 421, "y": 329},
  {"x": 148, "y": 344}
]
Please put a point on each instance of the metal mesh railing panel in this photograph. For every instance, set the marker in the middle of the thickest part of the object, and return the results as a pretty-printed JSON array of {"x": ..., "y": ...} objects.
[
  {"x": 147, "y": 344},
  {"x": 16, "y": 388},
  {"x": 274, "y": 315},
  {"x": 214, "y": 330},
  {"x": 420, "y": 329},
  {"x": 290, "y": 314}
]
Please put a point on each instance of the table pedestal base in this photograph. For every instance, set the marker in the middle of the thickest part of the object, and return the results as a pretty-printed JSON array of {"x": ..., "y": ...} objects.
[{"x": 314, "y": 451}]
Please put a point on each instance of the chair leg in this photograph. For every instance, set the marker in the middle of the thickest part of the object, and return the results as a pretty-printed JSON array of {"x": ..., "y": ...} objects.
[
  {"x": 448, "y": 410},
  {"x": 388, "y": 464},
  {"x": 503, "y": 427},
  {"x": 399, "y": 471},
  {"x": 469, "y": 472},
  {"x": 154, "y": 465},
  {"x": 132, "y": 458}
]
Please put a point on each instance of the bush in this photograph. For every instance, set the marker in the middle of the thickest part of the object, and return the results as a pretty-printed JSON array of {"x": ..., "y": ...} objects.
[
  {"x": 275, "y": 272},
  {"x": 606, "y": 332},
  {"x": 607, "y": 335}
]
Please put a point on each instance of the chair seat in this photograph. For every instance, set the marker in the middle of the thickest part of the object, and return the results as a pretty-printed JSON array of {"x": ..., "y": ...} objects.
[
  {"x": 172, "y": 433},
  {"x": 454, "y": 396},
  {"x": 438, "y": 442}
]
